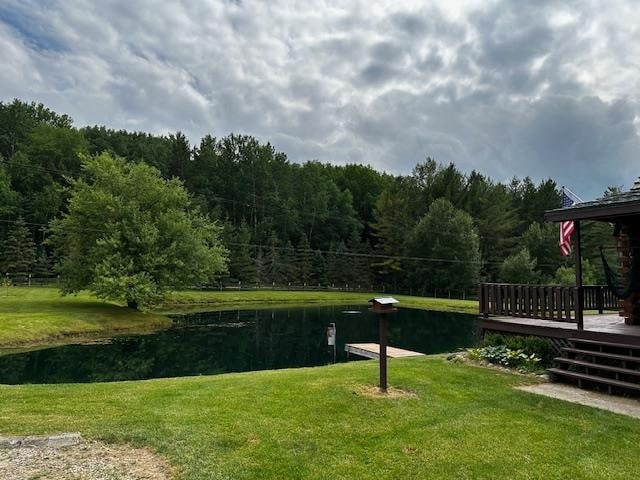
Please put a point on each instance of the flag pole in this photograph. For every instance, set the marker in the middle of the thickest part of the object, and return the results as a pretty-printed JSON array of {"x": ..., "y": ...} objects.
[
  {"x": 578, "y": 259},
  {"x": 575, "y": 197},
  {"x": 560, "y": 224}
]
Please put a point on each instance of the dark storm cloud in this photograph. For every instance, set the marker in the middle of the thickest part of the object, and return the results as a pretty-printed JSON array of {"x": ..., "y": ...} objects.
[
  {"x": 377, "y": 73},
  {"x": 413, "y": 25},
  {"x": 519, "y": 46},
  {"x": 427, "y": 21},
  {"x": 586, "y": 141},
  {"x": 512, "y": 34},
  {"x": 545, "y": 88},
  {"x": 387, "y": 52}
]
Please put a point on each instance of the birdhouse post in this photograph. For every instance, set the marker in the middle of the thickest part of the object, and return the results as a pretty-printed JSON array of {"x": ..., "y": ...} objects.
[{"x": 382, "y": 307}]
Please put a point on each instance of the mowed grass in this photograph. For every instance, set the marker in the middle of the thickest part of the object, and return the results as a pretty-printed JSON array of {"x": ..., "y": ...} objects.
[
  {"x": 41, "y": 315},
  {"x": 36, "y": 316},
  {"x": 465, "y": 422},
  {"x": 200, "y": 299}
]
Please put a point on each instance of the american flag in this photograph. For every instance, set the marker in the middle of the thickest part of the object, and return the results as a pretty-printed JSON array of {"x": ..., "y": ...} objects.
[{"x": 566, "y": 228}]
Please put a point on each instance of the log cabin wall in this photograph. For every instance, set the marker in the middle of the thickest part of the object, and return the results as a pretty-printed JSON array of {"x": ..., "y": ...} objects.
[{"x": 628, "y": 239}]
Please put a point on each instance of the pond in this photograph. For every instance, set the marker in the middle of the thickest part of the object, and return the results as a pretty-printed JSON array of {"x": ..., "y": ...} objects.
[{"x": 208, "y": 343}]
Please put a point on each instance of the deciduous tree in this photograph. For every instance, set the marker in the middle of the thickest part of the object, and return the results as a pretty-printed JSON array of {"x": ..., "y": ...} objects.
[
  {"x": 447, "y": 242},
  {"x": 131, "y": 235},
  {"x": 519, "y": 267}
]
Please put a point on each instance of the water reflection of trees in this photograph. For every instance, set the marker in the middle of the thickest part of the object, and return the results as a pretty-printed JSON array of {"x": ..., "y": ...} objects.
[{"x": 234, "y": 341}]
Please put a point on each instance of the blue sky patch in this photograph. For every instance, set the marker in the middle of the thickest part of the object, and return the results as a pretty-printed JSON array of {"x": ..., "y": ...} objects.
[{"x": 34, "y": 33}]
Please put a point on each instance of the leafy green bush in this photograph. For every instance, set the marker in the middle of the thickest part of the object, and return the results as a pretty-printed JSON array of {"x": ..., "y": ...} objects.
[
  {"x": 493, "y": 340},
  {"x": 503, "y": 355},
  {"x": 541, "y": 347}
]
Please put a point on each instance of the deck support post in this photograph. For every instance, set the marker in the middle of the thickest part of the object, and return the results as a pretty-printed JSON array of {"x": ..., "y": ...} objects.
[{"x": 580, "y": 290}]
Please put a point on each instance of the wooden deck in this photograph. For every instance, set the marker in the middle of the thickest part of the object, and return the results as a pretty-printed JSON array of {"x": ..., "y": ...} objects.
[
  {"x": 371, "y": 350},
  {"x": 602, "y": 327}
]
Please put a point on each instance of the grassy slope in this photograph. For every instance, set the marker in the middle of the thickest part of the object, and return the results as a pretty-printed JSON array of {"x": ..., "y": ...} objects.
[
  {"x": 32, "y": 315},
  {"x": 466, "y": 422}
]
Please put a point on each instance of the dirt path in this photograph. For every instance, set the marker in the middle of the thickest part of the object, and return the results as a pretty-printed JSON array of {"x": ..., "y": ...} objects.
[{"x": 86, "y": 461}]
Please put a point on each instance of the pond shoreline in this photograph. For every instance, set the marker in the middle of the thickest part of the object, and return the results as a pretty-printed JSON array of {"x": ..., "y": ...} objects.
[
  {"x": 40, "y": 316},
  {"x": 248, "y": 339}
]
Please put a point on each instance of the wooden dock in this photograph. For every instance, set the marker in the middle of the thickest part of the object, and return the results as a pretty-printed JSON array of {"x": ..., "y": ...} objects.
[{"x": 371, "y": 350}]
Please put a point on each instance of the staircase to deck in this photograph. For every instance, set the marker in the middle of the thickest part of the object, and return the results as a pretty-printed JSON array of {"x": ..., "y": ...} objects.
[{"x": 610, "y": 367}]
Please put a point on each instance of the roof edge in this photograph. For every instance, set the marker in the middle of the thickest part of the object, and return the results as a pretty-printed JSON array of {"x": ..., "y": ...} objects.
[{"x": 593, "y": 212}]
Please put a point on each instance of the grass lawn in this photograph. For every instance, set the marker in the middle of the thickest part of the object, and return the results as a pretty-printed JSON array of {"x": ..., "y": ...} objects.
[
  {"x": 280, "y": 297},
  {"x": 34, "y": 316},
  {"x": 37, "y": 315},
  {"x": 464, "y": 422}
]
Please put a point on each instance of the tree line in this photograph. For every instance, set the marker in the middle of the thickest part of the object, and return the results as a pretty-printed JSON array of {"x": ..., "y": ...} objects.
[{"x": 437, "y": 229}]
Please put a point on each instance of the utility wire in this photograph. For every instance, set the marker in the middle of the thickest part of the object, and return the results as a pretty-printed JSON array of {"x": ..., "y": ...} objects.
[
  {"x": 288, "y": 212},
  {"x": 311, "y": 250}
]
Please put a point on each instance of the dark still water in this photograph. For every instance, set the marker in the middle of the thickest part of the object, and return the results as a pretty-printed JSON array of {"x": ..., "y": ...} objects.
[{"x": 235, "y": 341}]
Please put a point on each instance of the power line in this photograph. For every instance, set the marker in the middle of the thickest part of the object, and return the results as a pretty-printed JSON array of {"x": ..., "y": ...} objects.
[
  {"x": 288, "y": 212},
  {"x": 352, "y": 254},
  {"x": 374, "y": 255},
  {"x": 46, "y": 225},
  {"x": 39, "y": 167},
  {"x": 311, "y": 250}
]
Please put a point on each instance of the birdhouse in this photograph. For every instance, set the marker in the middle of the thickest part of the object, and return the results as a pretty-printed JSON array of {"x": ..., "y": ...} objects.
[{"x": 383, "y": 305}]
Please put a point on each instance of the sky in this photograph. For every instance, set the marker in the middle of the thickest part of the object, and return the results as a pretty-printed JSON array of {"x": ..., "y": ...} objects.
[{"x": 546, "y": 89}]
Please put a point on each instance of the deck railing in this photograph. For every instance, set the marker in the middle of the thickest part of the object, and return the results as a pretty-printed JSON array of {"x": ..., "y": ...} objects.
[{"x": 548, "y": 302}]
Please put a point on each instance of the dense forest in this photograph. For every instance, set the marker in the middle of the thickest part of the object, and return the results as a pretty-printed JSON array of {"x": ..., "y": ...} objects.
[{"x": 436, "y": 231}]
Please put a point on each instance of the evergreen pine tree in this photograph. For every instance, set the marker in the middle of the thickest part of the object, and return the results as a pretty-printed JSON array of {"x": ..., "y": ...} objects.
[
  {"x": 259, "y": 265},
  {"x": 289, "y": 266},
  {"x": 241, "y": 264},
  {"x": 304, "y": 260},
  {"x": 19, "y": 251},
  {"x": 358, "y": 271},
  {"x": 319, "y": 269},
  {"x": 273, "y": 263},
  {"x": 338, "y": 265},
  {"x": 42, "y": 267}
]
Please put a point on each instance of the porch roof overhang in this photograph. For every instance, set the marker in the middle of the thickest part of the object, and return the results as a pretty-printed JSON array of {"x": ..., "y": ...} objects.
[{"x": 612, "y": 208}]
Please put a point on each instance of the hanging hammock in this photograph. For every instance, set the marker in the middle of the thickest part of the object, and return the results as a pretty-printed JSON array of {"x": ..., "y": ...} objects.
[{"x": 613, "y": 279}]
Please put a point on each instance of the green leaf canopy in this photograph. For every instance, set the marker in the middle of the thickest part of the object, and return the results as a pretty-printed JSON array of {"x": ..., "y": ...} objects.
[{"x": 131, "y": 235}]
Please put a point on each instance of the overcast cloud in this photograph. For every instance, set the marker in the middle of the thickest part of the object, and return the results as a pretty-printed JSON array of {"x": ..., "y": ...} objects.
[{"x": 551, "y": 89}]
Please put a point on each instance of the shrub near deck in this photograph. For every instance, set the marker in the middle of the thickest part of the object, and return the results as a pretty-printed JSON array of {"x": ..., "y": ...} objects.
[{"x": 463, "y": 422}]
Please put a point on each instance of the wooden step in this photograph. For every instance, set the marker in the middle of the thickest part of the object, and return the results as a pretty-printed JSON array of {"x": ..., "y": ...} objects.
[
  {"x": 593, "y": 378},
  {"x": 604, "y": 344},
  {"x": 613, "y": 356},
  {"x": 609, "y": 368}
]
